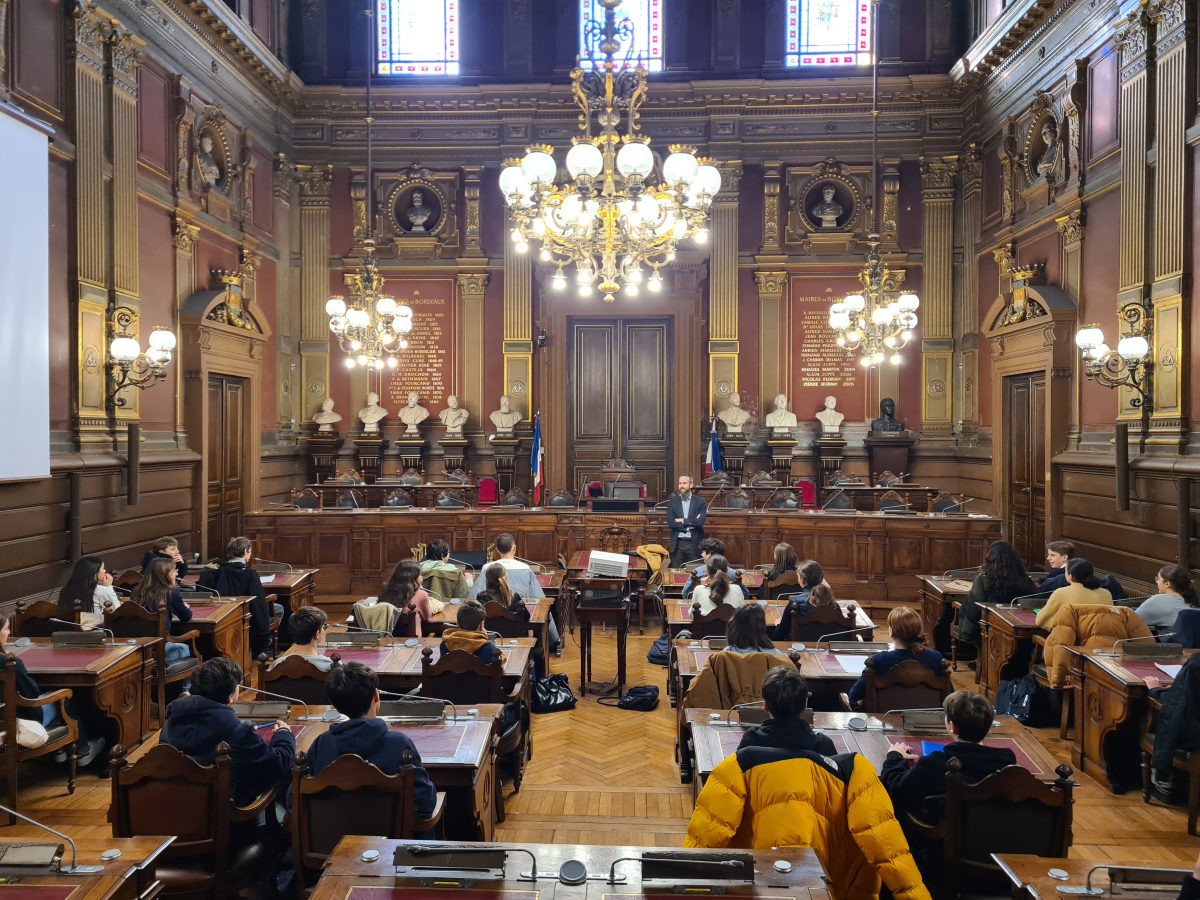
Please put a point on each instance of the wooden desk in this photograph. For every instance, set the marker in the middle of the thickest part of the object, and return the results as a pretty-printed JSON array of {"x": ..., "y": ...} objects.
[
  {"x": 819, "y": 669},
  {"x": 589, "y": 616},
  {"x": 131, "y": 876},
  {"x": 867, "y": 556},
  {"x": 1007, "y": 645},
  {"x": 224, "y": 628},
  {"x": 293, "y": 587},
  {"x": 675, "y": 579},
  {"x": 577, "y": 567},
  {"x": 1030, "y": 881},
  {"x": 1111, "y": 700},
  {"x": 679, "y": 616},
  {"x": 712, "y": 740},
  {"x": 938, "y": 595},
  {"x": 116, "y": 678},
  {"x": 866, "y": 496},
  {"x": 539, "y": 614},
  {"x": 348, "y": 877}
]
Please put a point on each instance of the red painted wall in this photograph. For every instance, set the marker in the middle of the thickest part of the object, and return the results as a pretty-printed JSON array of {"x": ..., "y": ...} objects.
[
  {"x": 1101, "y": 252},
  {"x": 156, "y": 273}
]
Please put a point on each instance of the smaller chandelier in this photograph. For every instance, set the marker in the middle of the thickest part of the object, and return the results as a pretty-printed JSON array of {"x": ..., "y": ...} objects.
[
  {"x": 371, "y": 327},
  {"x": 129, "y": 366},
  {"x": 879, "y": 320},
  {"x": 1128, "y": 365}
]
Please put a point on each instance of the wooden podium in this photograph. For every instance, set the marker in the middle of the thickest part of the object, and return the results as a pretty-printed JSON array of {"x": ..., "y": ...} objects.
[{"x": 888, "y": 451}]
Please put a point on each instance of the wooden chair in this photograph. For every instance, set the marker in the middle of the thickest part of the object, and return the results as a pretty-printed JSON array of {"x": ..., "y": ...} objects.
[
  {"x": 61, "y": 736},
  {"x": 32, "y": 619},
  {"x": 461, "y": 678},
  {"x": 1010, "y": 811},
  {"x": 820, "y": 621},
  {"x": 504, "y": 622},
  {"x": 515, "y": 499},
  {"x": 910, "y": 685},
  {"x": 398, "y": 499},
  {"x": 838, "y": 501},
  {"x": 350, "y": 499},
  {"x": 738, "y": 498},
  {"x": 167, "y": 792},
  {"x": 350, "y": 796},
  {"x": 489, "y": 491},
  {"x": 1065, "y": 694},
  {"x": 1184, "y": 761},
  {"x": 130, "y": 579},
  {"x": 887, "y": 478},
  {"x": 452, "y": 499},
  {"x": 786, "y": 580},
  {"x": 785, "y": 500},
  {"x": 402, "y": 624},
  {"x": 615, "y": 539},
  {"x": 305, "y": 499},
  {"x": 944, "y": 501},
  {"x": 562, "y": 498},
  {"x": 131, "y": 620},
  {"x": 891, "y": 500},
  {"x": 294, "y": 676},
  {"x": 807, "y": 488},
  {"x": 712, "y": 624}
]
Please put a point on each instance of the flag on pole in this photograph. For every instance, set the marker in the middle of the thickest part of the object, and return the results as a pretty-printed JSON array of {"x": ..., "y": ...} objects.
[
  {"x": 537, "y": 462},
  {"x": 712, "y": 459}
]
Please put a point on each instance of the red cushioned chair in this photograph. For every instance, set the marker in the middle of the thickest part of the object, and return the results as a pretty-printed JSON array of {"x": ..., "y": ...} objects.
[
  {"x": 808, "y": 493},
  {"x": 489, "y": 492}
]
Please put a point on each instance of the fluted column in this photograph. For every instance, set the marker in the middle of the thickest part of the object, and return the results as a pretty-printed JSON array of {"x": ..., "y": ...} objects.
[
  {"x": 937, "y": 324},
  {"x": 316, "y": 183},
  {"x": 774, "y": 335},
  {"x": 471, "y": 288},
  {"x": 723, "y": 289},
  {"x": 289, "y": 387},
  {"x": 967, "y": 383},
  {"x": 518, "y": 328},
  {"x": 184, "y": 241},
  {"x": 1070, "y": 230}
]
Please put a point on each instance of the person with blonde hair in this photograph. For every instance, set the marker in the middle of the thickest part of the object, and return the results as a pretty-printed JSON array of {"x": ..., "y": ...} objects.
[{"x": 908, "y": 642}]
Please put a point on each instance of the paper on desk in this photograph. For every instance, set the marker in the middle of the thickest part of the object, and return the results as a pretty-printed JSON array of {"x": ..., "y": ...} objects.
[
  {"x": 1171, "y": 672},
  {"x": 852, "y": 662},
  {"x": 266, "y": 579}
]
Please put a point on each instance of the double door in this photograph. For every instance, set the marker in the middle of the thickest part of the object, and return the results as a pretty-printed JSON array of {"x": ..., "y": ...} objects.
[
  {"x": 1025, "y": 452},
  {"x": 224, "y": 457}
]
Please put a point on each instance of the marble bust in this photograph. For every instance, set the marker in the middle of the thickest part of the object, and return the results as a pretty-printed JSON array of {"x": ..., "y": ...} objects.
[
  {"x": 505, "y": 418},
  {"x": 887, "y": 420},
  {"x": 206, "y": 164},
  {"x": 371, "y": 414},
  {"x": 1047, "y": 163},
  {"x": 326, "y": 418},
  {"x": 454, "y": 417},
  {"x": 779, "y": 419},
  {"x": 828, "y": 211},
  {"x": 413, "y": 413},
  {"x": 733, "y": 416},
  {"x": 829, "y": 417},
  {"x": 418, "y": 213}
]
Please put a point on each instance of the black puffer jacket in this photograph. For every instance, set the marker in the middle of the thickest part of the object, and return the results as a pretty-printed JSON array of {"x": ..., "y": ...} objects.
[{"x": 1179, "y": 723}]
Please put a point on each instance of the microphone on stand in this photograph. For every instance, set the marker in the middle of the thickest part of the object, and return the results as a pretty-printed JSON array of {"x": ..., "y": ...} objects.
[
  {"x": 74, "y": 868},
  {"x": 76, "y": 625},
  {"x": 415, "y": 698},
  {"x": 292, "y": 700},
  {"x": 825, "y": 639},
  {"x": 1123, "y": 641},
  {"x": 459, "y": 562},
  {"x": 536, "y": 566},
  {"x": 199, "y": 587},
  {"x": 961, "y": 503},
  {"x": 767, "y": 502},
  {"x": 1016, "y": 601},
  {"x": 274, "y": 562},
  {"x": 832, "y": 497}
]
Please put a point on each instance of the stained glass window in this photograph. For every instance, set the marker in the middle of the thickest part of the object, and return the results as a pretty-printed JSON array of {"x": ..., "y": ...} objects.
[
  {"x": 828, "y": 33},
  {"x": 645, "y": 17},
  {"x": 417, "y": 37}
]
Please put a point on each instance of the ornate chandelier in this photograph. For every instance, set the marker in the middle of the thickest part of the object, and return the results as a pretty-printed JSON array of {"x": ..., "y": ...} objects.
[
  {"x": 878, "y": 321},
  {"x": 620, "y": 215},
  {"x": 370, "y": 328}
]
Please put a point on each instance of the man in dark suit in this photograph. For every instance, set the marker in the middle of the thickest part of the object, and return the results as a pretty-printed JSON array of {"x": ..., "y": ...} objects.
[{"x": 686, "y": 515}]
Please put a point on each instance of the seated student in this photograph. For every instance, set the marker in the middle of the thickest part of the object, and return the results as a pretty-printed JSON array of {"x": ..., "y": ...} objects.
[
  {"x": 166, "y": 548},
  {"x": 307, "y": 627},
  {"x": 784, "y": 787},
  {"x": 1058, "y": 554},
  {"x": 46, "y": 715},
  {"x": 1175, "y": 592},
  {"x": 198, "y": 722},
  {"x": 234, "y": 578},
  {"x": 811, "y": 575},
  {"x": 470, "y": 635},
  {"x": 908, "y": 638},
  {"x": 1083, "y": 588},
  {"x": 920, "y": 788},
  {"x": 1178, "y": 726},
  {"x": 495, "y": 581},
  {"x": 716, "y": 588},
  {"x": 747, "y": 631},
  {"x": 785, "y": 561},
  {"x": 521, "y": 578},
  {"x": 158, "y": 590},
  {"x": 354, "y": 691},
  {"x": 1002, "y": 580},
  {"x": 821, "y": 595},
  {"x": 445, "y": 579},
  {"x": 404, "y": 587},
  {"x": 709, "y": 547},
  {"x": 88, "y": 592}
]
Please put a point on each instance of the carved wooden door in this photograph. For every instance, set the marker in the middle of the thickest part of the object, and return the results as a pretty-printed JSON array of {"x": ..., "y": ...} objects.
[
  {"x": 619, "y": 398},
  {"x": 223, "y": 455},
  {"x": 1025, "y": 416}
]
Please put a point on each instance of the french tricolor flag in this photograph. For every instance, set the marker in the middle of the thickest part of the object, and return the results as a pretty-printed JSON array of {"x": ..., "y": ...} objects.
[
  {"x": 537, "y": 462},
  {"x": 712, "y": 459}
]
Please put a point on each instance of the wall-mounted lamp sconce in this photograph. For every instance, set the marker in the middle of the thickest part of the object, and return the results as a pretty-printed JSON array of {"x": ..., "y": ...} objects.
[
  {"x": 128, "y": 365},
  {"x": 542, "y": 339},
  {"x": 1127, "y": 366}
]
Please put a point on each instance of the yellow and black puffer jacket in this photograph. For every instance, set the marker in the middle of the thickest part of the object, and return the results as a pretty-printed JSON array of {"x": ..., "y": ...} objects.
[{"x": 763, "y": 797}]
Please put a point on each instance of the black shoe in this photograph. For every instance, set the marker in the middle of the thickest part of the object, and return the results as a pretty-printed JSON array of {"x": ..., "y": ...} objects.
[
  {"x": 94, "y": 748},
  {"x": 972, "y": 664}
]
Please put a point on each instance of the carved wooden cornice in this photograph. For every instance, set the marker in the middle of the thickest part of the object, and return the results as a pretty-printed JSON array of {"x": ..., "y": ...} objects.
[
  {"x": 770, "y": 284},
  {"x": 185, "y": 235},
  {"x": 1071, "y": 226},
  {"x": 995, "y": 50},
  {"x": 316, "y": 183},
  {"x": 1133, "y": 40},
  {"x": 937, "y": 176},
  {"x": 472, "y": 284},
  {"x": 1005, "y": 258}
]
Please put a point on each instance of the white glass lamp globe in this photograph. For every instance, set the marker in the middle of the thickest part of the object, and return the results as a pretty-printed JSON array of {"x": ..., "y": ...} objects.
[
  {"x": 855, "y": 302},
  {"x": 707, "y": 180},
  {"x": 680, "y": 167},
  {"x": 1131, "y": 347},
  {"x": 335, "y": 306},
  {"x": 634, "y": 160},
  {"x": 585, "y": 159},
  {"x": 908, "y": 302},
  {"x": 357, "y": 317},
  {"x": 513, "y": 181},
  {"x": 1089, "y": 336},
  {"x": 538, "y": 167},
  {"x": 162, "y": 339},
  {"x": 385, "y": 306}
]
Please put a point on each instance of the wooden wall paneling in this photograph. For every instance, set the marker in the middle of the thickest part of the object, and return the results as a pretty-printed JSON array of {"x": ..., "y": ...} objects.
[{"x": 35, "y": 75}]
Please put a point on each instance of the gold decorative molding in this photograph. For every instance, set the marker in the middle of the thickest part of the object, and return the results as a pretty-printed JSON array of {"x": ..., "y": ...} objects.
[
  {"x": 937, "y": 200},
  {"x": 731, "y": 179},
  {"x": 283, "y": 175},
  {"x": 772, "y": 182},
  {"x": 316, "y": 183},
  {"x": 937, "y": 176},
  {"x": 774, "y": 338},
  {"x": 1005, "y": 258},
  {"x": 471, "y": 289},
  {"x": 184, "y": 235},
  {"x": 891, "y": 200},
  {"x": 4, "y": 4},
  {"x": 473, "y": 235},
  {"x": 472, "y": 284},
  {"x": 771, "y": 284},
  {"x": 1071, "y": 226}
]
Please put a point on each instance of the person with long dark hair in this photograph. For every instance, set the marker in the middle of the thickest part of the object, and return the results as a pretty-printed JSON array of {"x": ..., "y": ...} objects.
[
  {"x": 747, "y": 631},
  {"x": 88, "y": 593},
  {"x": 404, "y": 587},
  {"x": 811, "y": 575},
  {"x": 1175, "y": 592},
  {"x": 1002, "y": 580},
  {"x": 716, "y": 588},
  {"x": 158, "y": 590},
  {"x": 1083, "y": 588},
  {"x": 785, "y": 561},
  {"x": 908, "y": 642}
]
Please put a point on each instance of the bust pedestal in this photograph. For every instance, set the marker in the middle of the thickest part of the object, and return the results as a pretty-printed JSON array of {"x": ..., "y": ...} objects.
[
  {"x": 454, "y": 452},
  {"x": 888, "y": 451},
  {"x": 782, "y": 447},
  {"x": 505, "y": 449},
  {"x": 829, "y": 449},
  {"x": 322, "y": 453},
  {"x": 412, "y": 451},
  {"x": 733, "y": 455},
  {"x": 369, "y": 451}
]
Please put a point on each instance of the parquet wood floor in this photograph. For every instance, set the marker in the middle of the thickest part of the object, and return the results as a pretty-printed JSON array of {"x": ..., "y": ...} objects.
[{"x": 603, "y": 775}]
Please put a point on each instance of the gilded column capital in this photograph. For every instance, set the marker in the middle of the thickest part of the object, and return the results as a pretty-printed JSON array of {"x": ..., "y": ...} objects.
[
  {"x": 472, "y": 284},
  {"x": 771, "y": 285},
  {"x": 1005, "y": 258},
  {"x": 125, "y": 58},
  {"x": 89, "y": 35},
  {"x": 772, "y": 182},
  {"x": 251, "y": 260},
  {"x": 937, "y": 176},
  {"x": 283, "y": 173},
  {"x": 1071, "y": 226},
  {"x": 316, "y": 184},
  {"x": 731, "y": 179},
  {"x": 1133, "y": 40},
  {"x": 972, "y": 168},
  {"x": 185, "y": 235},
  {"x": 472, "y": 228},
  {"x": 1167, "y": 16}
]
